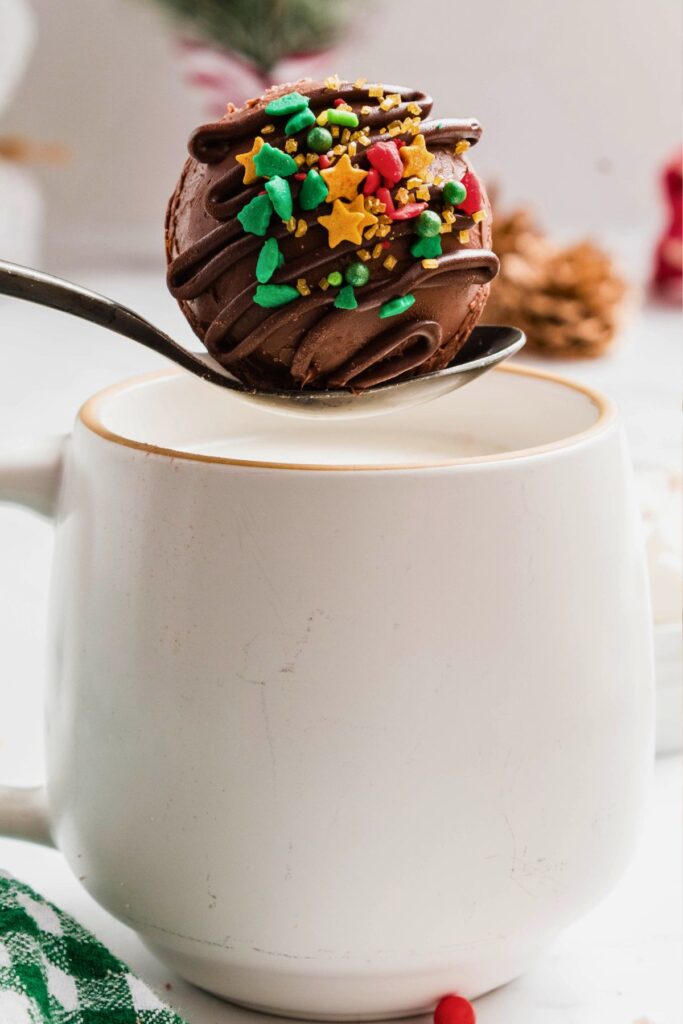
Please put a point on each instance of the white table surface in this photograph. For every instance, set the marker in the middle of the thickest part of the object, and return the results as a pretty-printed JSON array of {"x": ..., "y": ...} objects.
[{"x": 619, "y": 965}]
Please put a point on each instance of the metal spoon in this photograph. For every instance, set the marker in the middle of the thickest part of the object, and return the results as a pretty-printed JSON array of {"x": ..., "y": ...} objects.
[{"x": 486, "y": 347}]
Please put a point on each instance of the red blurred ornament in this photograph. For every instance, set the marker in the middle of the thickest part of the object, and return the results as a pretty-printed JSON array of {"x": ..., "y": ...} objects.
[
  {"x": 454, "y": 1010},
  {"x": 667, "y": 275}
]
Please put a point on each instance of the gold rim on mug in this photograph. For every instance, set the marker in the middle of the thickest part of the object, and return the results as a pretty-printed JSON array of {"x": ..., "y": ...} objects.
[{"x": 89, "y": 416}]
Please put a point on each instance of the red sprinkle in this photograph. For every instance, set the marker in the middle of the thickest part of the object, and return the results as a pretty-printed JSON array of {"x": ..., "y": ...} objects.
[
  {"x": 338, "y": 102},
  {"x": 384, "y": 156},
  {"x": 473, "y": 200},
  {"x": 371, "y": 183},
  {"x": 386, "y": 245},
  {"x": 409, "y": 211},
  {"x": 454, "y": 1010},
  {"x": 262, "y": 192},
  {"x": 324, "y": 161},
  {"x": 406, "y": 212},
  {"x": 384, "y": 196},
  {"x": 300, "y": 175},
  {"x": 400, "y": 143}
]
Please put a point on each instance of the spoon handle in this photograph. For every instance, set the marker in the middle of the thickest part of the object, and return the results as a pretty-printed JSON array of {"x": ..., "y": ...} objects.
[{"x": 46, "y": 290}]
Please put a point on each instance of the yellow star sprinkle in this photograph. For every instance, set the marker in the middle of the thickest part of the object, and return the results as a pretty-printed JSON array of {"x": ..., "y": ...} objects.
[
  {"x": 247, "y": 161},
  {"x": 358, "y": 206},
  {"x": 416, "y": 158},
  {"x": 343, "y": 224},
  {"x": 343, "y": 179}
]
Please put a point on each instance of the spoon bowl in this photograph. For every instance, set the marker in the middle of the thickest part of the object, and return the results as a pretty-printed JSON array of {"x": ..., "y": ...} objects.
[{"x": 486, "y": 347}]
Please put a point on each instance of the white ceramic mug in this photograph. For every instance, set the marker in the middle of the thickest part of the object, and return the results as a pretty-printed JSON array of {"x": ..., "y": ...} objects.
[{"x": 343, "y": 716}]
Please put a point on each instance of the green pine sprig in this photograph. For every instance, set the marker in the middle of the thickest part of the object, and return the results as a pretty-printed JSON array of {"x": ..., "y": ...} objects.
[{"x": 265, "y": 31}]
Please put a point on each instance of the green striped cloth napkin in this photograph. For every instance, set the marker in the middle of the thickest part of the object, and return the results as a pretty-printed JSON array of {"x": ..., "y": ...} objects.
[{"x": 52, "y": 971}]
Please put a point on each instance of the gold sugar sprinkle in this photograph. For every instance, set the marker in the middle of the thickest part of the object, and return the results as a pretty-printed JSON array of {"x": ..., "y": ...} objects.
[
  {"x": 311, "y": 158},
  {"x": 366, "y": 109},
  {"x": 461, "y": 147},
  {"x": 383, "y": 230},
  {"x": 390, "y": 262},
  {"x": 377, "y": 251},
  {"x": 402, "y": 196},
  {"x": 478, "y": 216},
  {"x": 371, "y": 232},
  {"x": 438, "y": 180},
  {"x": 448, "y": 216},
  {"x": 363, "y": 255},
  {"x": 376, "y": 91},
  {"x": 414, "y": 182},
  {"x": 423, "y": 193},
  {"x": 346, "y": 136},
  {"x": 336, "y": 131},
  {"x": 413, "y": 108},
  {"x": 395, "y": 129},
  {"x": 302, "y": 286},
  {"x": 463, "y": 236},
  {"x": 290, "y": 224},
  {"x": 388, "y": 103},
  {"x": 301, "y": 228},
  {"x": 446, "y": 228},
  {"x": 359, "y": 83},
  {"x": 267, "y": 129},
  {"x": 363, "y": 139},
  {"x": 351, "y": 148},
  {"x": 323, "y": 283},
  {"x": 382, "y": 131},
  {"x": 291, "y": 146},
  {"x": 332, "y": 83},
  {"x": 430, "y": 264},
  {"x": 339, "y": 150},
  {"x": 321, "y": 119}
]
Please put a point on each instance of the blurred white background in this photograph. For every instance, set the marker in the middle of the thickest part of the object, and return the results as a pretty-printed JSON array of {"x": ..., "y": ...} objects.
[{"x": 580, "y": 103}]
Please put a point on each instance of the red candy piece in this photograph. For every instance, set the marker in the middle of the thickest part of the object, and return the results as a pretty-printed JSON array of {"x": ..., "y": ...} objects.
[
  {"x": 400, "y": 143},
  {"x": 371, "y": 183},
  {"x": 323, "y": 161},
  {"x": 473, "y": 200},
  {"x": 385, "y": 157},
  {"x": 454, "y": 1010},
  {"x": 406, "y": 212},
  {"x": 300, "y": 175},
  {"x": 386, "y": 245},
  {"x": 338, "y": 102},
  {"x": 384, "y": 196}
]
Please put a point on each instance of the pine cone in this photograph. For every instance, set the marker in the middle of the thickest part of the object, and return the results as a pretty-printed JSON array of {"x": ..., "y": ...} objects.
[{"x": 568, "y": 301}]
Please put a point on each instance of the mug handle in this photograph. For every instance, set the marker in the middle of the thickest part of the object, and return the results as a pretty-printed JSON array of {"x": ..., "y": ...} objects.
[{"x": 30, "y": 472}]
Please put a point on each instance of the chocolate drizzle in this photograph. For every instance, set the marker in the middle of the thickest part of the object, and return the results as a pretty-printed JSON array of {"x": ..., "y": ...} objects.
[{"x": 309, "y": 342}]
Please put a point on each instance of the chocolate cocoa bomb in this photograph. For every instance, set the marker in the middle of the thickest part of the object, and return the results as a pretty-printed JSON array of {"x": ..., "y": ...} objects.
[{"x": 330, "y": 234}]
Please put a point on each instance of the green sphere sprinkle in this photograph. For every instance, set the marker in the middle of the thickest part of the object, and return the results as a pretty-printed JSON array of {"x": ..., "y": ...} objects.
[
  {"x": 357, "y": 274},
  {"x": 319, "y": 140},
  {"x": 428, "y": 224},
  {"x": 454, "y": 192},
  {"x": 335, "y": 279}
]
